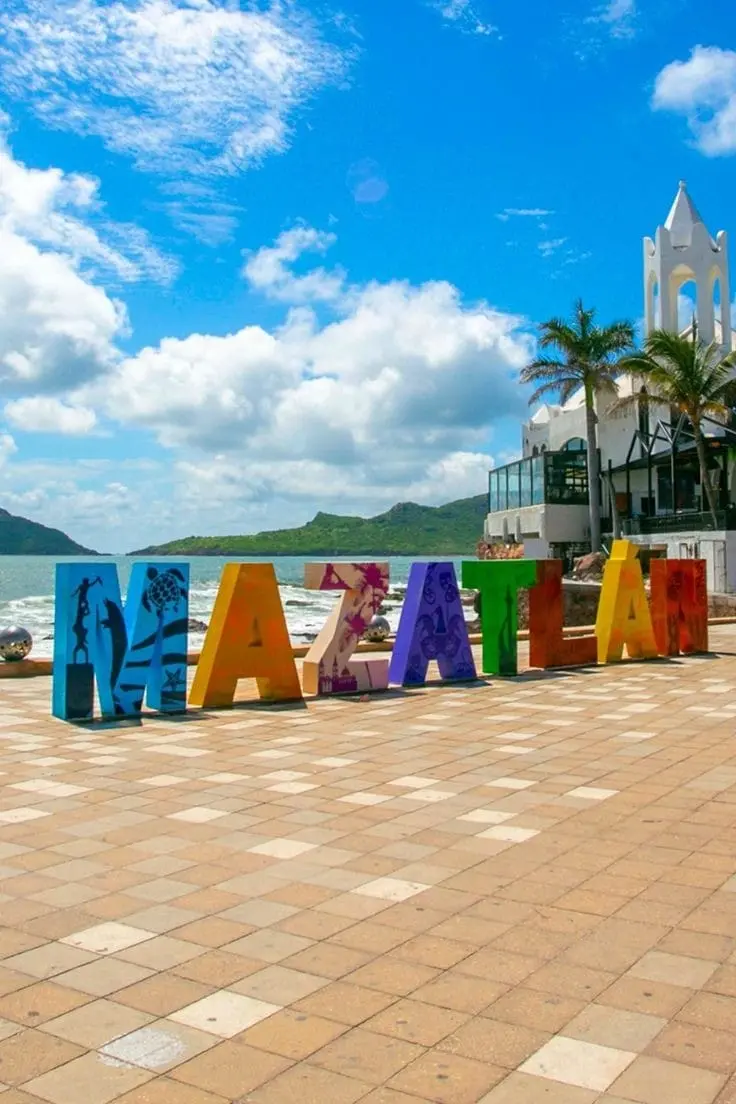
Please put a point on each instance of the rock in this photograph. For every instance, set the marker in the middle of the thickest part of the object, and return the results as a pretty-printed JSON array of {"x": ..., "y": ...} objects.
[
  {"x": 589, "y": 568},
  {"x": 196, "y": 626}
]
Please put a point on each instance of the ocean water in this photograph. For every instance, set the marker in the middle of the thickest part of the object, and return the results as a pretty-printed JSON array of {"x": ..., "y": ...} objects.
[{"x": 27, "y": 593}]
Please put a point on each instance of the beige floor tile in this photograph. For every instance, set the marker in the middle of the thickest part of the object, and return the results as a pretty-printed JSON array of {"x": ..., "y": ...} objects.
[
  {"x": 692, "y": 973},
  {"x": 506, "y": 1044},
  {"x": 293, "y": 1035},
  {"x": 535, "y": 1009},
  {"x": 417, "y": 1022},
  {"x": 101, "y": 977},
  {"x": 521, "y": 1088},
  {"x": 108, "y": 938},
  {"x": 447, "y": 1078},
  {"x": 231, "y": 1070},
  {"x": 366, "y": 1055},
  {"x": 90, "y": 1079},
  {"x": 280, "y": 985},
  {"x": 345, "y": 1003},
  {"x": 163, "y": 1090},
  {"x": 692, "y": 1045},
  {"x": 615, "y": 1027},
  {"x": 573, "y": 1062},
  {"x": 96, "y": 1023},
  {"x": 655, "y": 998},
  {"x": 40, "y": 1002},
  {"x": 224, "y": 1013},
  {"x": 32, "y": 1053},
  {"x": 47, "y": 961},
  {"x": 652, "y": 1081},
  {"x": 310, "y": 1085}
]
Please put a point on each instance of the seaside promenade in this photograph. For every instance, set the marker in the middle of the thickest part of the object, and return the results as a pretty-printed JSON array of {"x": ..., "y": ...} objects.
[{"x": 513, "y": 892}]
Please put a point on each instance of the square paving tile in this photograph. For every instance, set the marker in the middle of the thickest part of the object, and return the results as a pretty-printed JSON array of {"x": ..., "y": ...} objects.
[
  {"x": 575, "y": 1062},
  {"x": 224, "y": 1013}
]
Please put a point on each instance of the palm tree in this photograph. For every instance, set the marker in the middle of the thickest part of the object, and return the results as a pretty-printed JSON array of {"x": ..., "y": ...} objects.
[
  {"x": 589, "y": 358},
  {"x": 687, "y": 375}
]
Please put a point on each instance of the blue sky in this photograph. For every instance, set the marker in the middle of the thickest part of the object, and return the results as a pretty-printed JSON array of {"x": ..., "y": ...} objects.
[{"x": 260, "y": 259}]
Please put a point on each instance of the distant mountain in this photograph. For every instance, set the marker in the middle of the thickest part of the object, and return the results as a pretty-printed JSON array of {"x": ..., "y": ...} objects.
[
  {"x": 404, "y": 530},
  {"x": 21, "y": 537}
]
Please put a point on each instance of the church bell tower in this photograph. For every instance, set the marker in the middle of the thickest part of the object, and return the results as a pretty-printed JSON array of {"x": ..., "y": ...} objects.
[{"x": 683, "y": 251}]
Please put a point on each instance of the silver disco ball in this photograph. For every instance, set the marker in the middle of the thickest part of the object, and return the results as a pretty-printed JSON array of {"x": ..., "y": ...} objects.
[
  {"x": 15, "y": 643},
  {"x": 378, "y": 631}
]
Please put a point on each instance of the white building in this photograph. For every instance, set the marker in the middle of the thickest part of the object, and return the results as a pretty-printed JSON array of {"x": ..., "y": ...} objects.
[{"x": 650, "y": 489}]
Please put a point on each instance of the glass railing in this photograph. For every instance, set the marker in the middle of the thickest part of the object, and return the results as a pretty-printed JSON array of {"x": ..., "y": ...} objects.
[{"x": 553, "y": 477}]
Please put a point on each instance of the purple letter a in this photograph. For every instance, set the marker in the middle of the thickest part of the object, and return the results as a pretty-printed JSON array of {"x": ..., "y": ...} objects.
[{"x": 432, "y": 626}]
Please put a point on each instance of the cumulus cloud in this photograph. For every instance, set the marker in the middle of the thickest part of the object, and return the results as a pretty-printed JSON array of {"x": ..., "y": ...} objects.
[
  {"x": 179, "y": 85},
  {"x": 703, "y": 90},
  {"x": 57, "y": 326},
  {"x": 46, "y": 414},
  {"x": 269, "y": 269},
  {"x": 394, "y": 396},
  {"x": 64, "y": 211}
]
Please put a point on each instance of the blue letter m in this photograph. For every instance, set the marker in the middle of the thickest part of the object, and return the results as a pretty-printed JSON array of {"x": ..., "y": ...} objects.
[{"x": 131, "y": 650}]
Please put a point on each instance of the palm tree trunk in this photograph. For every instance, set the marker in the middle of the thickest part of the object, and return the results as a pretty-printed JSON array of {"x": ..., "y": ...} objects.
[
  {"x": 704, "y": 473},
  {"x": 593, "y": 474}
]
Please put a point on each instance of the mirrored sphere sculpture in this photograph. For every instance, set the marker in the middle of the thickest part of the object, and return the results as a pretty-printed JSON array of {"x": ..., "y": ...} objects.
[
  {"x": 378, "y": 631},
  {"x": 15, "y": 643}
]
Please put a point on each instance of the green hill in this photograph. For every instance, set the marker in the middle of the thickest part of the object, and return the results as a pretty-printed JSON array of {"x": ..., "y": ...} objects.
[
  {"x": 21, "y": 537},
  {"x": 404, "y": 530}
]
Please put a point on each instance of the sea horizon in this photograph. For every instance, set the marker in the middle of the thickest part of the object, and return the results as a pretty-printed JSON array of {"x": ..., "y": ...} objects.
[{"x": 27, "y": 591}]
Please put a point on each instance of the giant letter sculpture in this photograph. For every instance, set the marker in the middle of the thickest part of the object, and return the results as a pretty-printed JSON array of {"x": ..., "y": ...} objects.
[
  {"x": 499, "y": 582},
  {"x": 623, "y": 612},
  {"x": 432, "y": 626},
  {"x": 132, "y": 650},
  {"x": 328, "y": 667},
  {"x": 247, "y": 638},
  {"x": 679, "y": 606},
  {"x": 548, "y": 647}
]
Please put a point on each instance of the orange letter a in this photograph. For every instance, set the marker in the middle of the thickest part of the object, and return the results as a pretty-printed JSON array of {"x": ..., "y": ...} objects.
[{"x": 247, "y": 638}]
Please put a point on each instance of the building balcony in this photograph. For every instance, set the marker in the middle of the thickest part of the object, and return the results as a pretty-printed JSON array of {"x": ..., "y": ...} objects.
[
  {"x": 685, "y": 521},
  {"x": 553, "y": 478}
]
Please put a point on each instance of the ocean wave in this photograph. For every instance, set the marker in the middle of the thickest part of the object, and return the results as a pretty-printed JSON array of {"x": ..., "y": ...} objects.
[{"x": 305, "y": 612}]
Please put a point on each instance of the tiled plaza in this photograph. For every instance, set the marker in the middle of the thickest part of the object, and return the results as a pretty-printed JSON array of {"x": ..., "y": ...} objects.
[{"x": 516, "y": 892}]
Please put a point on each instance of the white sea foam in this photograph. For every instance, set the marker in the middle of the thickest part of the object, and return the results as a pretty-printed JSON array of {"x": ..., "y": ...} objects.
[{"x": 26, "y": 598}]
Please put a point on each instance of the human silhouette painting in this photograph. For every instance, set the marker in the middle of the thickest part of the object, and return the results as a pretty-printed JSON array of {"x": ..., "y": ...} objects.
[{"x": 80, "y": 629}]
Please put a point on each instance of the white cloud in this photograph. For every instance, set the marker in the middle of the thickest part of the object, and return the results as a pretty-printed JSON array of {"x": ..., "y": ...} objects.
[
  {"x": 618, "y": 16},
  {"x": 523, "y": 212},
  {"x": 57, "y": 327},
  {"x": 60, "y": 210},
  {"x": 551, "y": 246},
  {"x": 463, "y": 14},
  {"x": 179, "y": 85},
  {"x": 45, "y": 414},
  {"x": 703, "y": 89},
  {"x": 394, "y": 398},
  {"x": 268, "y": 270}
]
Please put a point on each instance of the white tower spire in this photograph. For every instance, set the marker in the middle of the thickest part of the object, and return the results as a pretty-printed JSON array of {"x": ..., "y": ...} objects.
[{"x": 684, "y": 250}]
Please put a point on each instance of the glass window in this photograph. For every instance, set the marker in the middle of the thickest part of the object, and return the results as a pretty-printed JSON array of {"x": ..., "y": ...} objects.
[
  {"x": 575, "y": 444},
  {"x": 567, "y": 478},
  {"x": 526, "y": 482},
  {"x": 513, "y": 476},
  {"x": 493, "y": 492},
  {"x": 538, "y": 480},
  {"x": 502, "y": 495}
]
